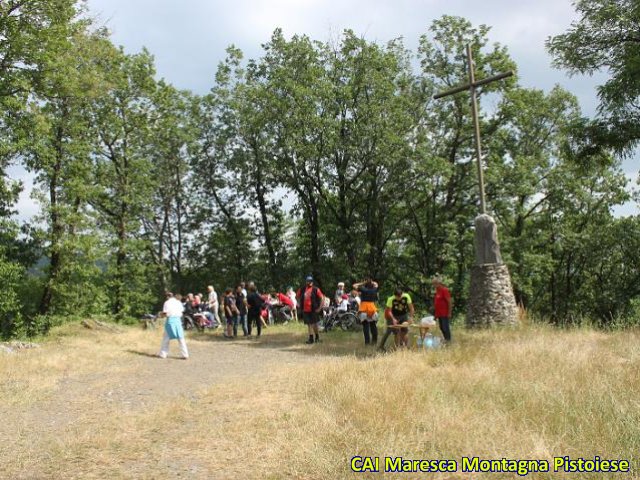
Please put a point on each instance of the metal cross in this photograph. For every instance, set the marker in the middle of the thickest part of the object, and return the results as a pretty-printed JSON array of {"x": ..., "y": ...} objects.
[{"x": 472, "y": 85}]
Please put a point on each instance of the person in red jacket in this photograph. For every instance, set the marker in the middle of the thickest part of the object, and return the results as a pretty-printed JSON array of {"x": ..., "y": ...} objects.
[
  {"x": 443, "y": 307},
  {"x": 310, "y": 302}
]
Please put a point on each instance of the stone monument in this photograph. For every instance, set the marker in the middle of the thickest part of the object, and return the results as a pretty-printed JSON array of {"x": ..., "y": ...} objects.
[{"x": 491, "y": 300}]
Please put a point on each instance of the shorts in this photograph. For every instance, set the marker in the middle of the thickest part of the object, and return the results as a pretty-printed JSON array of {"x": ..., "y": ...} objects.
[
  {"x": 400, "y": 319},
  {"x": 368, "y": 309},
  {"x": 310, "y": 318},
  {"x": 363, "y": 317},
  {"x": 232, "y": 320}
]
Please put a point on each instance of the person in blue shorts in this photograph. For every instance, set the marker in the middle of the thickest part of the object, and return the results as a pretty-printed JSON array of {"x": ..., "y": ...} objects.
[{"x": 173, "y": 309}]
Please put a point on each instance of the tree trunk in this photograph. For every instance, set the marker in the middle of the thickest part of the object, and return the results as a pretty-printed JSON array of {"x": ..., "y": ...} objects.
[
  {"x": 266, "y": 226},
  {"x": 57, "y": 229}
]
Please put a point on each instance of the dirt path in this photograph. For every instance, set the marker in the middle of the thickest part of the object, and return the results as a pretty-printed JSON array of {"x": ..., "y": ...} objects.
[
  {"x": 131, "y": 382},
  {"x": 150, "y": 380}
]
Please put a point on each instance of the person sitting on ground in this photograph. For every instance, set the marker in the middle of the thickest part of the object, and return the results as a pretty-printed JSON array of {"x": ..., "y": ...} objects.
[
  {"x": 173, "y": 309},
  {"x": 368, "y": 310},
  {"x": 310, "y": 298},
  {"x": 399, "y": 310}
]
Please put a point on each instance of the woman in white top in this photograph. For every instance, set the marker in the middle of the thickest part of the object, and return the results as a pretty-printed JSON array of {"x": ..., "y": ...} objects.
[
  {"x": 173, "y": 309},
  {"x": 213, "y": 303}
]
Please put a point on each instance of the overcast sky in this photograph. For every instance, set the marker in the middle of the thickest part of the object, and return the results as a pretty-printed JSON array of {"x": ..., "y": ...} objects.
[{"x": 188, "y": 37}]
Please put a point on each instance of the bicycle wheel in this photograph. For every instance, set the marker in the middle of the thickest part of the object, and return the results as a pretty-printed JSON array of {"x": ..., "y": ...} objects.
[{"x": 348, "y": 321}]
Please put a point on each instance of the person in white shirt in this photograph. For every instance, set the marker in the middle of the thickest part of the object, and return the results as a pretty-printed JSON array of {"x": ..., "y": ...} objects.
[
  {"x": 343, "y": 306},
  {"x": 292, "y": 295},
  {"x": 173, "y": 309},
  {"x": 213, "y": 303}
]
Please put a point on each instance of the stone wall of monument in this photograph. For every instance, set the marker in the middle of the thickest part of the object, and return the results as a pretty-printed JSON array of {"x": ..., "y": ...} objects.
[{"x": 491, "y": 299}]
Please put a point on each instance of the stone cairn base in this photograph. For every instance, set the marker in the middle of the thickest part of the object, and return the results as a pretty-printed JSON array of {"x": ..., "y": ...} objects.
[{"x": 491, "y": 299}]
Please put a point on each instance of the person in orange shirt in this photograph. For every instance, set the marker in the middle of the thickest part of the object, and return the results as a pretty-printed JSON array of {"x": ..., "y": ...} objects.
[
  {"x": 368, "y": 310},
  {"x": 443, "y": 307}
]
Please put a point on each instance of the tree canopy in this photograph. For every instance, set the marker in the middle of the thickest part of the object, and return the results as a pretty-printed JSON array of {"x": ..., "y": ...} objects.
[
  {"x": 606, "y": 39},
  {"x": 330, "y": 158}
]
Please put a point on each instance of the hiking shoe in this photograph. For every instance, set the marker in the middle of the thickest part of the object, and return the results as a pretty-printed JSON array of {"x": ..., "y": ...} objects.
[
  {"x": 310, "y": 341},
  {"x": 318, "y": 340}
]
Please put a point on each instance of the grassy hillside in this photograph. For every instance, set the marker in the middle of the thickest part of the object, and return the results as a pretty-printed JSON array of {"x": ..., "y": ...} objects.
[{"x": 530, "y": 393}]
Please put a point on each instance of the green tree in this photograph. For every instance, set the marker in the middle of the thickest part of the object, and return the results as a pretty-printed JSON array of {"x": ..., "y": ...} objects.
[
  {"x": 58, "y": 151},
  {"x": 605, "y": 39},
  {"x": 166, "y": 223},
  {"x": 122, "y": 121},
  {"x": 33, "y": 32},
  {"x": 222, "y": 252}
]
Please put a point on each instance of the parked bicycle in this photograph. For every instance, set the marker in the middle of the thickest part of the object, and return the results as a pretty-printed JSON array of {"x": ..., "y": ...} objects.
[{"x": 346, "y": 321}]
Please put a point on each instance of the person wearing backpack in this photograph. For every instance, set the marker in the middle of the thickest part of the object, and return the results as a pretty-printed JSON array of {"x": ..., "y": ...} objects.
[{"x": 310, "y": 302}]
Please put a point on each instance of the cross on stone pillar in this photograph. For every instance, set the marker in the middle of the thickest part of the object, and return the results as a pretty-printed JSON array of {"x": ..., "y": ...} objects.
[{"x": 491, "y": 300}]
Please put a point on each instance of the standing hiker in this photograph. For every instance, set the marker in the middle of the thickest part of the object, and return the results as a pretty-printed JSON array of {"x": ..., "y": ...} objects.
[
  {"x": 173, "y": 309},
  {"x": 443, "y": 307},
  {"x": 310, "y": 301},
  {"x": 368, "y": 310}
]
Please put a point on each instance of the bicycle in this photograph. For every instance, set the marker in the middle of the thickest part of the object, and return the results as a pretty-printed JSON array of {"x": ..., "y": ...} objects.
[{"x": 346, "y": 321}]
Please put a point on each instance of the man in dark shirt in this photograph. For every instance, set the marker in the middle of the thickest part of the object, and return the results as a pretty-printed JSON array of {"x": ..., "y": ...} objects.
[
  {"x": 255, "y": 302},
  {"x": 230, "y": 313},
  {"x": 399, "y": 309},
  {"x": 241, "y": 305}
]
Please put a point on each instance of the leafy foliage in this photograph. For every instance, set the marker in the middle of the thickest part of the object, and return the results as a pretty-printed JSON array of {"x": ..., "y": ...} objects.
[
  {"x": 606, "y": 38},
  {"x": 330, "y": 158}
]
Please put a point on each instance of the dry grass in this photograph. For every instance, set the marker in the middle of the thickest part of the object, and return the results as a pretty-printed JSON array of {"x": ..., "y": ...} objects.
[
  {"x": 70, "y": 351},
  {"x": 528, "y": 393}
]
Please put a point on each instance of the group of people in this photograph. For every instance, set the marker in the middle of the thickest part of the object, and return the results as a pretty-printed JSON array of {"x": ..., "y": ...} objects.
[
  {"x": 399, "y": 311},
  {"x": 248, "y": 308}
]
